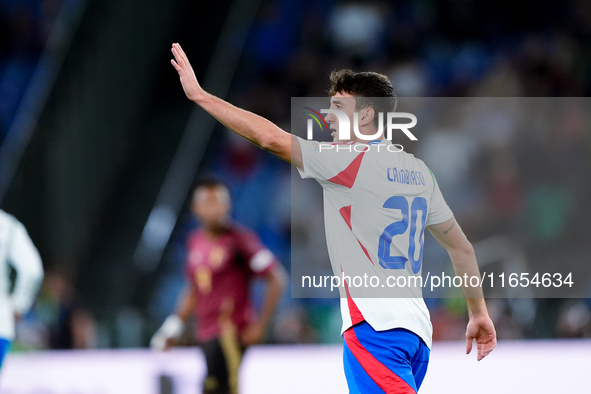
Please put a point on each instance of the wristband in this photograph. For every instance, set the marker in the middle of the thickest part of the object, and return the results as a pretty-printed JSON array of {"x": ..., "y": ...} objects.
[{"x": 172, "y": 327}]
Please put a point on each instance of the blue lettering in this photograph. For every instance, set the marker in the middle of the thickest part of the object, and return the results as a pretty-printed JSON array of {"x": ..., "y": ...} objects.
[{"x": 405, "y": 176}]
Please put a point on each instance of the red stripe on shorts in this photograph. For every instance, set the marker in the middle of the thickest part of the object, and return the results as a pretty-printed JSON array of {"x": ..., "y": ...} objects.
[{"x": 378, "y": 372}]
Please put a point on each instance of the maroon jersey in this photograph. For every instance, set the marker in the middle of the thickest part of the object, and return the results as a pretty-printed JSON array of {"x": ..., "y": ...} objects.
[{"x": 221, "y": 270}]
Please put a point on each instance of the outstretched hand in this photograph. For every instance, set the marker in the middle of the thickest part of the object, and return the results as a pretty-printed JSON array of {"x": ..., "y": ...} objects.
[
  {"x": 482, "y": 330},
  {"x": 186, "y": 74}
]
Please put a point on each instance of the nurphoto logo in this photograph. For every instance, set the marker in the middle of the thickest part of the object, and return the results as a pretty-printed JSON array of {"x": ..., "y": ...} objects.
[{"x": 344, "y": 131}]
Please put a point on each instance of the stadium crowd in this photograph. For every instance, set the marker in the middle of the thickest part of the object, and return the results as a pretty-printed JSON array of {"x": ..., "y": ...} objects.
[{"x": 24, "y": 28}]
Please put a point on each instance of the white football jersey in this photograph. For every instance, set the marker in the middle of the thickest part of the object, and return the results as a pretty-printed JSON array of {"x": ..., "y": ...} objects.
[
  {"x": 377, "y": 203},
  {"x": 17, "y": 250}
]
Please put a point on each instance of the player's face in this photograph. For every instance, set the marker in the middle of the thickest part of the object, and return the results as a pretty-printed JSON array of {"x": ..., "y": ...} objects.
[
  {"x": 344, "y": 102},
  {"x": 211, "y": 205}
]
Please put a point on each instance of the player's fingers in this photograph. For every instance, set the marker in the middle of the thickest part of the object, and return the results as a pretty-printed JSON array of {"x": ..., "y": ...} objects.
[
  {"x": 468, "y": 344},
  {"x": 178, "y": 53},
  {"x": 491, "y": 345},
  {"x": 168, "y": 344},
  {"x": 480, "y": 351},
  {"x": 245, "y": 339},
  {"x": 176, "y": 58},
  {"x": 485, "y": 349},
  {"x": 180, "y": 49},
  {"x": 183, "y": 57},
  {"x": 179, "y": 70},
  {"x": 175, "y": 65}
]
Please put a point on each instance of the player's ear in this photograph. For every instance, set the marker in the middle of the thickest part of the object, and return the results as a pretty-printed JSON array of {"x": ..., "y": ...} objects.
[{"x": 366, "y": 116}]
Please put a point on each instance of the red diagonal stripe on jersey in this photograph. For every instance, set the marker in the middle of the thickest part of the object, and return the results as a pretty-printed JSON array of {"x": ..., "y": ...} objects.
[
  {"x": 347, "y": 176},
  {"x": 378, "y": 372},
  {"x": 365, "y": 251},
  {"x": 354, "y": 312},
  {"x": 356, "y": 315},
  {"x": 346, "y": 214}
]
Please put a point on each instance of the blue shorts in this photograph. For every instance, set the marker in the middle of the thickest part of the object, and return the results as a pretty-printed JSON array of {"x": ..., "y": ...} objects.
[
  {"x": 391, "y": 361},
  {"x": 4, "y": 345}
]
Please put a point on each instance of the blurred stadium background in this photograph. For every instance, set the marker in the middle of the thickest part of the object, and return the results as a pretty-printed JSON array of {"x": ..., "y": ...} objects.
[{"x": 100, "y": 146}]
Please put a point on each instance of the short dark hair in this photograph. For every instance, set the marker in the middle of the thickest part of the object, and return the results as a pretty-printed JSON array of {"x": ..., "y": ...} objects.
[
  {"x": 365, "y": 86},
  {"x": 208, "y": 182}
]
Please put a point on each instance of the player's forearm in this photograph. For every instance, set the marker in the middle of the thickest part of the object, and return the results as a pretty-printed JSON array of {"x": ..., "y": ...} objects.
[
  {"x": 450, "y": 235},
  {"x": 465, "y": 265},
  {"x": 476, "y": 307},
  {"x": 253, "y": 127},
  {"x": 275, "y": 288},
  {"x": 246, "y": 124},
  {"x": 186, "y": 305}
]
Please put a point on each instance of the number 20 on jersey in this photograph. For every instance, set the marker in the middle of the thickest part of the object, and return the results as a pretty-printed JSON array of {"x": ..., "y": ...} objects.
[{"x": 399, "y": 228}]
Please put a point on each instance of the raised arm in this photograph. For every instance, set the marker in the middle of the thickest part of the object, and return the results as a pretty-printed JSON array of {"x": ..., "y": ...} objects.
[
  {"x": 254, "y": 128},
  {"x": 460, "y": 250}
]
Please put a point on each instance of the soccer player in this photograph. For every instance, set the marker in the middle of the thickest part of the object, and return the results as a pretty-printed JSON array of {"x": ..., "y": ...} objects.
[
  {"x": 376, "y": 207},
  {"x": 16, "y": 250},
  {"x": 222, "y": 259}
]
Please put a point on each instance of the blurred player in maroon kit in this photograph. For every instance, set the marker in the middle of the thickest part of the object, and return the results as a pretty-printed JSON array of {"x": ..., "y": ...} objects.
[{"x": 222, "y": 260}]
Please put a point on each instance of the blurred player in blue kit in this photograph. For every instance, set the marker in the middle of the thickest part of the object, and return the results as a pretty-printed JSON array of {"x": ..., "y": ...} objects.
[
  {"x": 376, "y": 208},
  {"x": 17, "y": 251},
  {"x": 223, "y": 258}
]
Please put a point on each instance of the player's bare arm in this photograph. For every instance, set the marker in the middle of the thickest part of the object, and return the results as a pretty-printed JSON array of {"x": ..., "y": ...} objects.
[
  {"x": 187, "y": 303},
  {"x": 276, "y": 281},
  {"x": 254, "y": 128},
  {"x": 460, "y": 250},
  {"x": 173, "y": 326}
]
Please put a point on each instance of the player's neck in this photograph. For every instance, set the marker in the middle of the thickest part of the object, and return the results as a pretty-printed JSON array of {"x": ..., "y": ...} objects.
[
  {"x": 360, "y": 141},
  {"x": 215, "y": 231}
]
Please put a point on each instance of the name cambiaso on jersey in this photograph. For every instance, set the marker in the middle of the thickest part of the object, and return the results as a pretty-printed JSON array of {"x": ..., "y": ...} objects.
[{"x": 377, "y": 203}]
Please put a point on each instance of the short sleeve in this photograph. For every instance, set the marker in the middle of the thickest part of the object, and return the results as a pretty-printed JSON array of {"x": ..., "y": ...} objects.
[
  {"x": 324, "y": 160},
  {"x": 439, "y": 211},
  {"x": 259, "y": 258}
]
